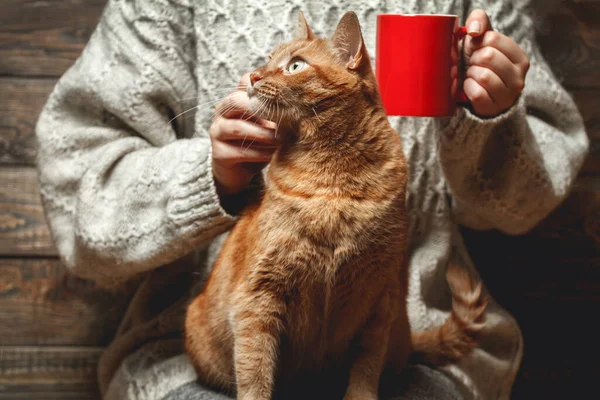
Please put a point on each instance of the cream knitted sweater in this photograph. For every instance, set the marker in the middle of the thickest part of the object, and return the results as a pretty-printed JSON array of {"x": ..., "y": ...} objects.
[{"x": 127, "y": 192}]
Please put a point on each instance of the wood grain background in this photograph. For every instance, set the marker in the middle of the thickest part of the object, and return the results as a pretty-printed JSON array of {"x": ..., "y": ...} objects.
[{"x": 53, "y": 326}]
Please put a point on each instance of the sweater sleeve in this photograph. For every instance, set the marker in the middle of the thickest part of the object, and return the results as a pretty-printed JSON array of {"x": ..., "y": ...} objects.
[
  {"x": 124, "y": 189},
  {"x": 510, "y": 171}
]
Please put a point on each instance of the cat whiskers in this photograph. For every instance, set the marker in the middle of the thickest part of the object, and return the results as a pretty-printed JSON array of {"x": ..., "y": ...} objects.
[
  {"x": 210, "y": 102},
  {"x": 222, "y": 91},
  {"x": 259, "y": 109},
  {"x": 256, "y": 112},
  {"x": 280, "y": 117},
  {"x": 342, "y": 99},
  {"x": 192, "y": 109},
  {"x": 316, "y": 114},
  {"x": 271, "y": 112}
]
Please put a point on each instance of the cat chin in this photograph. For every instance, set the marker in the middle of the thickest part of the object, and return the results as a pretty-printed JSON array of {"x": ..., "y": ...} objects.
[
  {"x": 262, "y": 108},
  {"x": 255, "y": 105}
]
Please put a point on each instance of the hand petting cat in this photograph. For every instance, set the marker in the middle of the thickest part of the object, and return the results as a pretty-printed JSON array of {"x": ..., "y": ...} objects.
[
  {"x": 497, "y": 67},
  {"x": 241, "y": 144}
]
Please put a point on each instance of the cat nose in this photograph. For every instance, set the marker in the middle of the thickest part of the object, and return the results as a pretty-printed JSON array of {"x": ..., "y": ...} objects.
[{"x": 255, "y": 77}]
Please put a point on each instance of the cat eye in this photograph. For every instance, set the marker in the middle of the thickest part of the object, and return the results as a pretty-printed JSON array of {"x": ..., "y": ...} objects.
[{"x": 295, "y": 66}]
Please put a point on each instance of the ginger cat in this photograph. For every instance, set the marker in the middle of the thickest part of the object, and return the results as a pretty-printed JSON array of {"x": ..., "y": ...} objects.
[{"x": 312, "y": 280}]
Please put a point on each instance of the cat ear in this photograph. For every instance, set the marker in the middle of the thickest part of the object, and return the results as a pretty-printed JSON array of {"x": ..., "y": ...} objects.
[
  {"x": 303, "y": 31},
  {"x": 348, "y": 41}
]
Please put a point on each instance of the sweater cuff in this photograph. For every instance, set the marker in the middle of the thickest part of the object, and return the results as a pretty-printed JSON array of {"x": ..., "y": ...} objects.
[
  {"x": 194, "y": 206},
  {"x": 460, "y": 128}
]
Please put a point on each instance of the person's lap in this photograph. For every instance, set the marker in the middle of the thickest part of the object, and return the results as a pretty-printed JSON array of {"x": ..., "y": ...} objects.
[
  {"x": 160, "y": 371},
  {"x": 415, "y": 383}
]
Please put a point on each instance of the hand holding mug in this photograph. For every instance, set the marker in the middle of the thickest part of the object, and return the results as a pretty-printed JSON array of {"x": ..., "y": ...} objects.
[
  {"x": 418, "y": 67},
  {"x": 496, "y": 67},
  {"x": 417, "y": 64}
]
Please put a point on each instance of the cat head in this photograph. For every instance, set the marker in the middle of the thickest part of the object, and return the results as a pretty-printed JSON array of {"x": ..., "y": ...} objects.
[{"x": 310, "y": 75}]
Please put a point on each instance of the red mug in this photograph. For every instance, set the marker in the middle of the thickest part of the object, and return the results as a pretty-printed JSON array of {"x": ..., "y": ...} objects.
[{"x": 417, "y": 64}]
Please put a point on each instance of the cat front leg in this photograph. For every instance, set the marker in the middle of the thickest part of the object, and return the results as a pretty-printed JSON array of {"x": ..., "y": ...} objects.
[
  {"x": 371, "y": 351},
  {"x": 257, "y": 325}
]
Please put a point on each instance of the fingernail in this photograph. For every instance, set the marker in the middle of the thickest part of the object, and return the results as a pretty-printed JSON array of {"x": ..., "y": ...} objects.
[
  {"x": 269, "y": 124},
  {"x": 474, "y": 27}
]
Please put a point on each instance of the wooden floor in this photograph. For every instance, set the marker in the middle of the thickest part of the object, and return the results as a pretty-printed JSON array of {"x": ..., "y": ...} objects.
[{"x": 53, "y": 326}]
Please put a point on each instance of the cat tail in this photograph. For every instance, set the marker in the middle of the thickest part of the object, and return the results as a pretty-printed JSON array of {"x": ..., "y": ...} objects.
[{"x": 460, "y": 333}]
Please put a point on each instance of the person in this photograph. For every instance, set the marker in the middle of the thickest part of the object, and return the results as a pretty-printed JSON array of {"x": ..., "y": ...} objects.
[{"x": 137, "y": 198}]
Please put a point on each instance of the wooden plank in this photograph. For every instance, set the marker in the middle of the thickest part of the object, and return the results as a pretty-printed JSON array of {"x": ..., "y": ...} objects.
[
  {"x": 37, "y": 395},
  {"x": 43, "y": 38},
  {"x": 24, "y": 99},
  {"x": 60, "y": 372},
  {"x": 23, "y": 229},
  {"x": 41, "y": 304},
  {"x": 22, "y": 363},
  {"x": 570, "y": 40},
  {"x": 20, "y": 105},
  {"x": 567, "y": 241}
]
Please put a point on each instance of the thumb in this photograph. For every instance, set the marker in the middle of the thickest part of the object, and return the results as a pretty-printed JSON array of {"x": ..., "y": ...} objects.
[{"x": 477, "y": 24}]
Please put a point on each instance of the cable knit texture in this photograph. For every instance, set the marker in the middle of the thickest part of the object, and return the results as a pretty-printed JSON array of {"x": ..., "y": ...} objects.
[{"x": 127, "y": 190}]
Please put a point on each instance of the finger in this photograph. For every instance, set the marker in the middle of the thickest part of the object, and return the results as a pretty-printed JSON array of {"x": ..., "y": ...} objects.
[
  {"x": 478, "y": 23},
  {"x": 227, "y": 154},
  {"x": 506, "y": 45},
  {"x": 480, "y": 99},
  {"x": 235, "y": 103},
  {"x": 228, "y": 129},
  {"x": 502, "y": 96},
  {"x": 494, "y": 59},
  {"x": 244, "y": 81},
  {"x": 266, "y": 123}
]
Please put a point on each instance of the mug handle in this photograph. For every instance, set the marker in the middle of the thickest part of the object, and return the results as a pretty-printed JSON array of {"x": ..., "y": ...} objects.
[{"x": 461, "y": 97}]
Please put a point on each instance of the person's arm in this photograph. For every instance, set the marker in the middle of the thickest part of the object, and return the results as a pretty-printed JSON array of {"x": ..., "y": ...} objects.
[
  {"x": 123, "y": 190},
  {"x": 510, "y": 167}
]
